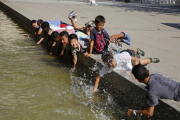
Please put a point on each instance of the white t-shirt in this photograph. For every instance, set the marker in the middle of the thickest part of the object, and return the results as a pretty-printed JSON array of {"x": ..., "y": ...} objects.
[{"x": 123, "y": 62}]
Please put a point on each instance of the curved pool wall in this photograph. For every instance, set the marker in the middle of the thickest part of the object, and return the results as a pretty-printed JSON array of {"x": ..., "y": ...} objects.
[{"x": 126, "y": 91}]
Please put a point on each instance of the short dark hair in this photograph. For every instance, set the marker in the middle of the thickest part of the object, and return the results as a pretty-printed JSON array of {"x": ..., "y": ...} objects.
[
  {"x": 140, "y": 72},
  {"x": 107, "y": 57},
  {"x": 39, "y": 22},
  {"x": 32, "y": 21},
  {"x": 64, "y": 33},
  {"x": 44, "y": 24},
  {"x": 54, "y": 35},
  {"x": 72, "y": 36},
  {"x": 99, "y": 19}
]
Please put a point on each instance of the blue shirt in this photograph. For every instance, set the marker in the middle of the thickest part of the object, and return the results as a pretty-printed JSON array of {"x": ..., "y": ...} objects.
[
  {"x": 56, "y": 22},
  {"x": 100, "y": 40},
  {"x": 162, "y": 87}
]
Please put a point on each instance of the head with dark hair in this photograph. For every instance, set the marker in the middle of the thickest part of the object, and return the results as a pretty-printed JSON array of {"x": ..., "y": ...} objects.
[
  {"x": 99, "y": 22},
  {"x": 72, "y": 36},
  {"x": 55, "y": 36},
  {"x": 64, "y": 37},
  {"x": 107, "y": 57},
  {"x": 33, "y": 23},
  {"x": 73, "y": 40},
  {"x": 140, "y": 72},
  {"x": 45, "y": 26},
  {"x": 39, "y": 22},
  {"x": 100, "y": 19}
]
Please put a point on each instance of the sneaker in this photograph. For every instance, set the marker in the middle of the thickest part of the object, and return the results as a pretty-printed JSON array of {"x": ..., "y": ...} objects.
[
  {"x": 72, "y": 15},
  {"x": 140, "y": 52},
  {"x": 154, "y": 60},
  {"x": 123, "y": 32}
]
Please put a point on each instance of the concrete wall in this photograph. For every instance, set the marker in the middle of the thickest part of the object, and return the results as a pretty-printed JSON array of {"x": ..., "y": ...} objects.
[{"x": 125, "y": 91}]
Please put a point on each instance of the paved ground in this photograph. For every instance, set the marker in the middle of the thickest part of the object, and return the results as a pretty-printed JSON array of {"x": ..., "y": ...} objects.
[{"x": 153, "y": 28}]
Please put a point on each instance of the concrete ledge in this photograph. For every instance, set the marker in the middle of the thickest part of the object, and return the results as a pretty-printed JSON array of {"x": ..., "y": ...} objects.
[{"x": 124, "y": 89}]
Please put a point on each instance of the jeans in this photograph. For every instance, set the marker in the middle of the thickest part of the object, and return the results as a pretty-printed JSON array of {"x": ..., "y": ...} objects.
[{"x": 113, "y": 48}]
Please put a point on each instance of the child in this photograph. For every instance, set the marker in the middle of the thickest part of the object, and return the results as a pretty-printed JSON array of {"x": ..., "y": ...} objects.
[
  {"x": 99, "y": 37},
  {"x": 46, "y": 31},
  {"x": 120, "y": 61},
  {"x": 62, "y": 38},
  {"x": 158, "y": 87},
  {"x": 93, "y": 2},
  {"x": 77, "y": 46},
  {"x": 37, "y": 25}
]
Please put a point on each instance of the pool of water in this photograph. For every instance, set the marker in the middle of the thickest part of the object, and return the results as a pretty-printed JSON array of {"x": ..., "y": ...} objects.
[{"x": 33, "y": 85}]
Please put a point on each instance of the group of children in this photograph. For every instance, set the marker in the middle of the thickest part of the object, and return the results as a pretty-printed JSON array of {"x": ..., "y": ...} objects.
[{"x": 92, "y": 38}]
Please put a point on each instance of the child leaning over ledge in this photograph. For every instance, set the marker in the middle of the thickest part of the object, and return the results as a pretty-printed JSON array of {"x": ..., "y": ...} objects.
[
  {"x": 77, "y": 46},
  {"x": 158, "y": 86},
  {"x": 99, "y": 37},
  {"x": 121, "y": 61}
]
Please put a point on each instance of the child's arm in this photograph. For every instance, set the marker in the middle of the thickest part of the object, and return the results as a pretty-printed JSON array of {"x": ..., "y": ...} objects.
[
  {"x": 40, "y": 40},
  {"x": 62, "y": 51},
  {"x": 97, "y": 83},
  {"x": 148, "y": 112},
  {"x": 42, "y": 37},
  {"x": 39, "y": 32},
  {"x": 74, "y": 62},
  {"x": 52, "y": 47},
  {"x": 30, "y": 35},
  {"x": 116, "y": 36},
  {"x": 90, "y": 48}
]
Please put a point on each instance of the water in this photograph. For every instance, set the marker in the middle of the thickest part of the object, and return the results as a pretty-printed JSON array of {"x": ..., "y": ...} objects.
[{"x": 34, "y": 86}]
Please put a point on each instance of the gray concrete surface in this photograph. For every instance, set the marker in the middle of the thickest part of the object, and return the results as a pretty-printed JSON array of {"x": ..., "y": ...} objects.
[{"x": 148, "y": 26}]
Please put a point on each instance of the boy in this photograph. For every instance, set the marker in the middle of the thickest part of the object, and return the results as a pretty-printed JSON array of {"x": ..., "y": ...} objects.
[
  {"x": 77, "y": 46},
  {"x": 46, "y": 32},
  {"x": 121, "y": 61},
  {"x": 62, "y": 39},
  {"x": 99, "y": 37},
  {"x": 158, "y": 87}
]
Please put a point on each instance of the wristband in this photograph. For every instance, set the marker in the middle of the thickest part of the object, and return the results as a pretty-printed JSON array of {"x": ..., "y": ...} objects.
[{"x": 134, "y": 112}]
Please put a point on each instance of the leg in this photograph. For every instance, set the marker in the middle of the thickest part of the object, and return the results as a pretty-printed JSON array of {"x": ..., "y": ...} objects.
[
  {"x": 138, "y": 51},
  {"x": 145, "y": 61},
  {"x": 75, "y": 25},
  {"x": 113, "y": 48},
  {"x": 149, "y": 60}
]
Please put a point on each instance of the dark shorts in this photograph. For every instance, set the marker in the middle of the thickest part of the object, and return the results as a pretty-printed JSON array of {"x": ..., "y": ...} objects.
[{"x": 131, "y": 52}]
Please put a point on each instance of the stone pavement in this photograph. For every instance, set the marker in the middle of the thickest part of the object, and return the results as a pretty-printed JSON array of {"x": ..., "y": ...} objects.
[{"x": 153, "y": 28}]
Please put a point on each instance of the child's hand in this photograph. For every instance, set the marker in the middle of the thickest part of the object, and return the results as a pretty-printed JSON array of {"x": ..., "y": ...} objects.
[
  {"x": 111, "y": 39},
  {"x": 28, "y": 37},
  {"x": 85, "y": 54},
  {"x": 88, "y": 55},
  {"x": 73, "y": 69},
  {"x": 38, "y": 43},
  {"x": 50, "y": 53},
  {"x": 130, "y": 74},
  {"x": 130, "y": 112}
]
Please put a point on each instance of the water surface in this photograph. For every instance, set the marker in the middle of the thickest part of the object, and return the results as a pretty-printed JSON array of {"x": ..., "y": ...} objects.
[{"x": 33, "y": 85}]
